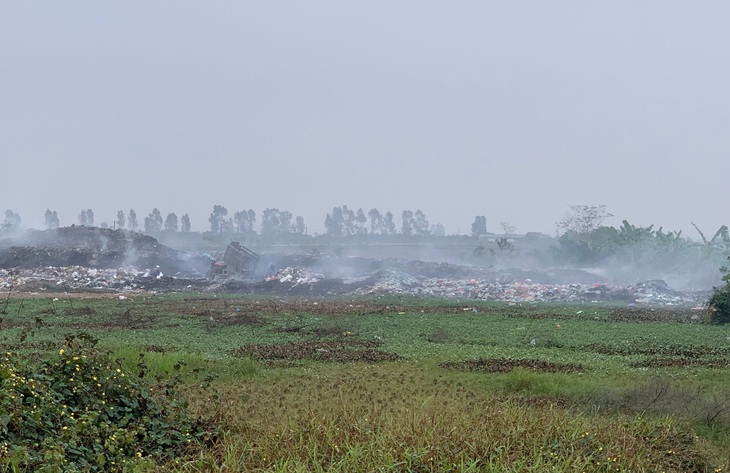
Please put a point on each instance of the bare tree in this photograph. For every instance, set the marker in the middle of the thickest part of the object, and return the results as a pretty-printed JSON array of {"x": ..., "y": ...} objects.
[
  {"x": 584, "y": 218},
  {"x": 507, "y": 228}
]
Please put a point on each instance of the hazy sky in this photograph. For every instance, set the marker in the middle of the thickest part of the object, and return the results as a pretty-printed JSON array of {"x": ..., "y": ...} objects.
[{"x": 510, "y": 109}]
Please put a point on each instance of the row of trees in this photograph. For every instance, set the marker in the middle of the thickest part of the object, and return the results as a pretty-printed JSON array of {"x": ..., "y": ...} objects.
[
  {"x": 274, "y": 222},
  {"x": 344, "y": 221},
  {"x": 153, "y": 223}
]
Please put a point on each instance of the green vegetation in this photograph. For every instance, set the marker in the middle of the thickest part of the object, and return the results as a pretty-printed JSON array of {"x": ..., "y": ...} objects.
[
  {"x": 371, "y": 384},
  {"x": 719, "y": 302},
  {"x": 78, "y": 410}
]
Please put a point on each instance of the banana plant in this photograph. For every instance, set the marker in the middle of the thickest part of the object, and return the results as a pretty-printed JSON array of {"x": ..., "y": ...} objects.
[{"x": 718, "y": 244}]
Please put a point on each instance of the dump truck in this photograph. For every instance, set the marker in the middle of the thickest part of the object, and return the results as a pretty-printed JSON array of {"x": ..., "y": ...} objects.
[{"x": 237, "y": 261}]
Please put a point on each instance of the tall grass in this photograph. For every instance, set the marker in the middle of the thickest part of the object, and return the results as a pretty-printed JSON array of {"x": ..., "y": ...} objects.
[{"x": 390, "y": 418}]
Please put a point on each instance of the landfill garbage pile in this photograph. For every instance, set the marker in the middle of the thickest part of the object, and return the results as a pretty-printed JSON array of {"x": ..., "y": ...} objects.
[
  {"x": 334, "y": 267},
  {"x": 416, "y": 278},
  {"x": 97, "y": 248},
  {"x": 525, "y": 291},
  {"x": 657, "y": 291},
  {"x": 293, "y": 281},
  {"x": 93, "y": 259},
  {"x": 297, "y": 275},
  {"x": 79, "y": 278}
]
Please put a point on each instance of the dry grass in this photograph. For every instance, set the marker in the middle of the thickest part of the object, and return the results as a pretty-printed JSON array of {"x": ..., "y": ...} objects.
[{"x": 396, "y": 418}]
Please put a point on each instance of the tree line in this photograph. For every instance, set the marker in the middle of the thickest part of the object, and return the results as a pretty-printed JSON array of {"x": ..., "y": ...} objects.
[
  {"x": 583, "y": 238},
  {"x": 340, "y": 222}
]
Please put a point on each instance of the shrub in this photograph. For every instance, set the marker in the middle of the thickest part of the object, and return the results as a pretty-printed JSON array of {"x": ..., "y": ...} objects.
[
  {"x": 719, "y": 302},
  {"x": 76, "y": 409},
  {"x": 440, "y": 335}
]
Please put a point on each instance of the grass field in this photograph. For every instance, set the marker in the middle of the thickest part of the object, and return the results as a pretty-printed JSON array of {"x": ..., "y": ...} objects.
[{"x": 406, "y": 384}]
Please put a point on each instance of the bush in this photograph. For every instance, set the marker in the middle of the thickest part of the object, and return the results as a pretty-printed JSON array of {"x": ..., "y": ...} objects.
[
  {"x": 719, "y": 302},
  {"x": 76, "y": 409}
]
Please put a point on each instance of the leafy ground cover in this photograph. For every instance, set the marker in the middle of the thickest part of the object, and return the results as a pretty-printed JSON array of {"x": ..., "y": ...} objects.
[{"x": 407, "y": 384}]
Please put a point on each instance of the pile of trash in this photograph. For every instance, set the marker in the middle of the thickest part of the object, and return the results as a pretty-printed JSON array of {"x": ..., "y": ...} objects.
[
  {"x": 393, "y": 281},
  {"x": 297, "y": 275},
  {"x": 526, "y": 291},
  {"x": 508, "y": 285},
  {"x": 99, "y": 248},
  {"x": 94, "y": 259},
  {"x": 54, "y": 279},
  {"x": 61, "y": 279},
  {"x": 657, "y": 291}
]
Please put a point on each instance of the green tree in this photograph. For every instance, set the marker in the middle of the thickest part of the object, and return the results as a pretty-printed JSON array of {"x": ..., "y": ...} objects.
[
  {"x": 86, "y": 217},
  {"x": 348, "y": 219},
  {"x": 407, "y": 222},
  {"x": 153, "y": 222},
  {"x": 420, "y": 224},
  {"x": 243, "y": 221},
  {"x": 275, "y": 222},
  {"x": 719, "y": 302},
  {"x": 216, "y": 218},
  {"x": 12, "y": 219},
  {"x": 171, "y": 222},
  {"x": 360, "y": 221},
  {"x": 51, "y": 219},
  {"x": 132, "y": 220},
  {"x": 240, "y": 222},
  {"x": 334, "y": 223},
  {"x": 121, "y": 221},
  {"x": 388, "y": 224},
  {"x": 479, "y": 226},
  {"x": 376, "y": 221},
  {"x": 299, "y": 227},
  {"x": 185, "y": 223}
]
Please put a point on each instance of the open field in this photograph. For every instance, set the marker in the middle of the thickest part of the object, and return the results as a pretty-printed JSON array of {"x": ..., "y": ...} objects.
[{"x": 409, "y": 384}]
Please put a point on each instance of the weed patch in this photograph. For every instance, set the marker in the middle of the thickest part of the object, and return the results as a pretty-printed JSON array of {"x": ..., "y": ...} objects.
[
  {"x": 643, "y": 348},
  {"x": 440, "y": 335},
  {"x": 343, "y": 349},
  {"x": 680, "y": 363},
  {"x": 504, "y": 365},
  {"x": 76, "y": 311},
  {"x": 653, "y": 315}
]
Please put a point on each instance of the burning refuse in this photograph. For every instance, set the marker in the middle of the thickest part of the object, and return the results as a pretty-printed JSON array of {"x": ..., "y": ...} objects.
[
  {"x": 96, "y": 248},
  {"x": 92, "y": 259}
]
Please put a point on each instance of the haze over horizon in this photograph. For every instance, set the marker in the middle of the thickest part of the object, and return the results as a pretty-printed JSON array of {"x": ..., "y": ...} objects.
[{"x": 512, "y": 110}]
